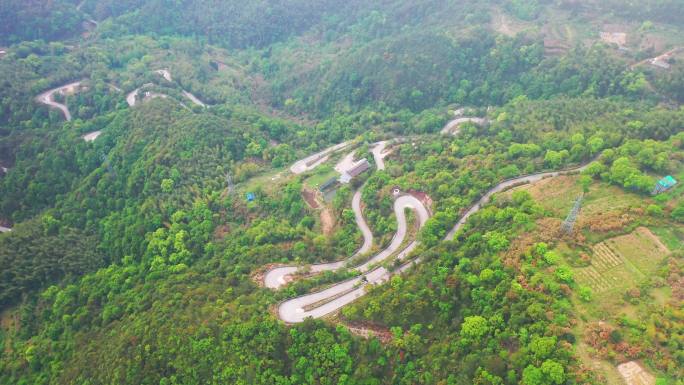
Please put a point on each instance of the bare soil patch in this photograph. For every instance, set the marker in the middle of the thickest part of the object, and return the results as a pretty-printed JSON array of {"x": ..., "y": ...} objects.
[
  {"x": 634, "y": 374},
  {"x": 619, "y": 38},
  {"x": 310, "y": 198},
  {"x": 327, "y": 221},
  {"x": 367, "y": 331}
]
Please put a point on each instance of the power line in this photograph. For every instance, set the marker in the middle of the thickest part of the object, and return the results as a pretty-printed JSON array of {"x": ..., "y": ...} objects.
[
  {"x": 229, "y": 183},
  {"x": 569, "y": 223}
]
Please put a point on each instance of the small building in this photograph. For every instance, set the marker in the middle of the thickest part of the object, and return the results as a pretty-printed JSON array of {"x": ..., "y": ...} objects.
[
  {"x": 659, "y": 62},
  {"x": 664, "y": 184},
  {"x": 358, "y": 169},
  {"x": 251, "y": 197},
  {"x": 327, "y": 184}
]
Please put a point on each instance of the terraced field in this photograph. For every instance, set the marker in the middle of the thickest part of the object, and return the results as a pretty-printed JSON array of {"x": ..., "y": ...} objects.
[
  {"x": 604, "y": 269},
  {"x": 622, "y": 260}
]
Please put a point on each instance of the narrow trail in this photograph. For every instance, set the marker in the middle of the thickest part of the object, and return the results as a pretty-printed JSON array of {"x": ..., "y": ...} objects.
[
  {"x": 331, "y": 299},
  {"x": 48, "y": 98}
]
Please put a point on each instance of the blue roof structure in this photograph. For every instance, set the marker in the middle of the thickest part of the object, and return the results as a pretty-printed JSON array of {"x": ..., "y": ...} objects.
[
  {"x": 667, "y": 182},
  {"x": 250, "y": 197},
  {"x": 664, "y": 184}
]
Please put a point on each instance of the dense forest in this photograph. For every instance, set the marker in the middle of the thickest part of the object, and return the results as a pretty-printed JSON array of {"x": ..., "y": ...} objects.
[{"x": 148, "y": 183}]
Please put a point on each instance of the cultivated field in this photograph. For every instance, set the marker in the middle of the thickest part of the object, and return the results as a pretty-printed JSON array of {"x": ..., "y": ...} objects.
[{"x": 622, "y": 261}]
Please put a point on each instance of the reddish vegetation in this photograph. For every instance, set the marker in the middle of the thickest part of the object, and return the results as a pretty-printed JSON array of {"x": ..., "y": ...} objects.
[
  {"x": 368, "y": 330},
  {"x": 423, "y": 197},
  {"x": 607, "y": 222},
  {"x": 602, "y": 337},
  {"x": 221, "y": 231},
  {"x": 676, "y": 279}
]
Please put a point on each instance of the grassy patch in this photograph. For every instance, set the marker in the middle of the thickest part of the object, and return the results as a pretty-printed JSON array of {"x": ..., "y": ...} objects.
[
  {"x": 268, "y": 181},
  {"x": 619, "y": 264},
  {"x": 672, "y": 236},
  {"x": 558, "y": 195},
  {"x": 321, "y": 175}
]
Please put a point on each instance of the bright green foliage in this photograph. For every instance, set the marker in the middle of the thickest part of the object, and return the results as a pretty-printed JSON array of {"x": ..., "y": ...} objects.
[
  {"x": 132, "y": 258},
  {"x": 474, "y": 327},
  {"x": 585, "y": 293},
  {"x": 678, "y": 213},
  {"x": 542, "y": 347}
]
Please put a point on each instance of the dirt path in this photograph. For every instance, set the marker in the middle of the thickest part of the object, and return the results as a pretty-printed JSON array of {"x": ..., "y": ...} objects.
[
  {"x": 327, "y": 221},
  {"x": 649, "y": 60}
]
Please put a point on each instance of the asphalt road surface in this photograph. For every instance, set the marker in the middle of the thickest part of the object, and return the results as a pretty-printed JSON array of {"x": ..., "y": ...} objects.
[
  {"x": 324, "y": 302},
  {"x": 48, "y": 98},
  {"x": 279, "y": 276}
]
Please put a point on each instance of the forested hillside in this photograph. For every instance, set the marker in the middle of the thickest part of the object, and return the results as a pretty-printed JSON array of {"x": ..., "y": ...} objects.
[{"x": 184, "y": 197}]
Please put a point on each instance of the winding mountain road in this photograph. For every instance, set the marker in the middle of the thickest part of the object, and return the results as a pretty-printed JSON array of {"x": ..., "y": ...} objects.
[
  {"x": 132, "y": 97},
  {"x": 279, "y": 276},
  {"x": 346, "y": 163},
  {"x": 324, "y": 302},
  {"x": 193, "y": 99},
  {"x": 48, "y": 98},
  {"x": 379, "y": 154},
  {"x": 331, "y": 299},
  {"x": 313, "y": 161},
  {"x": 505, "y": 185},
  {"x": 453, "y": 126}
]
